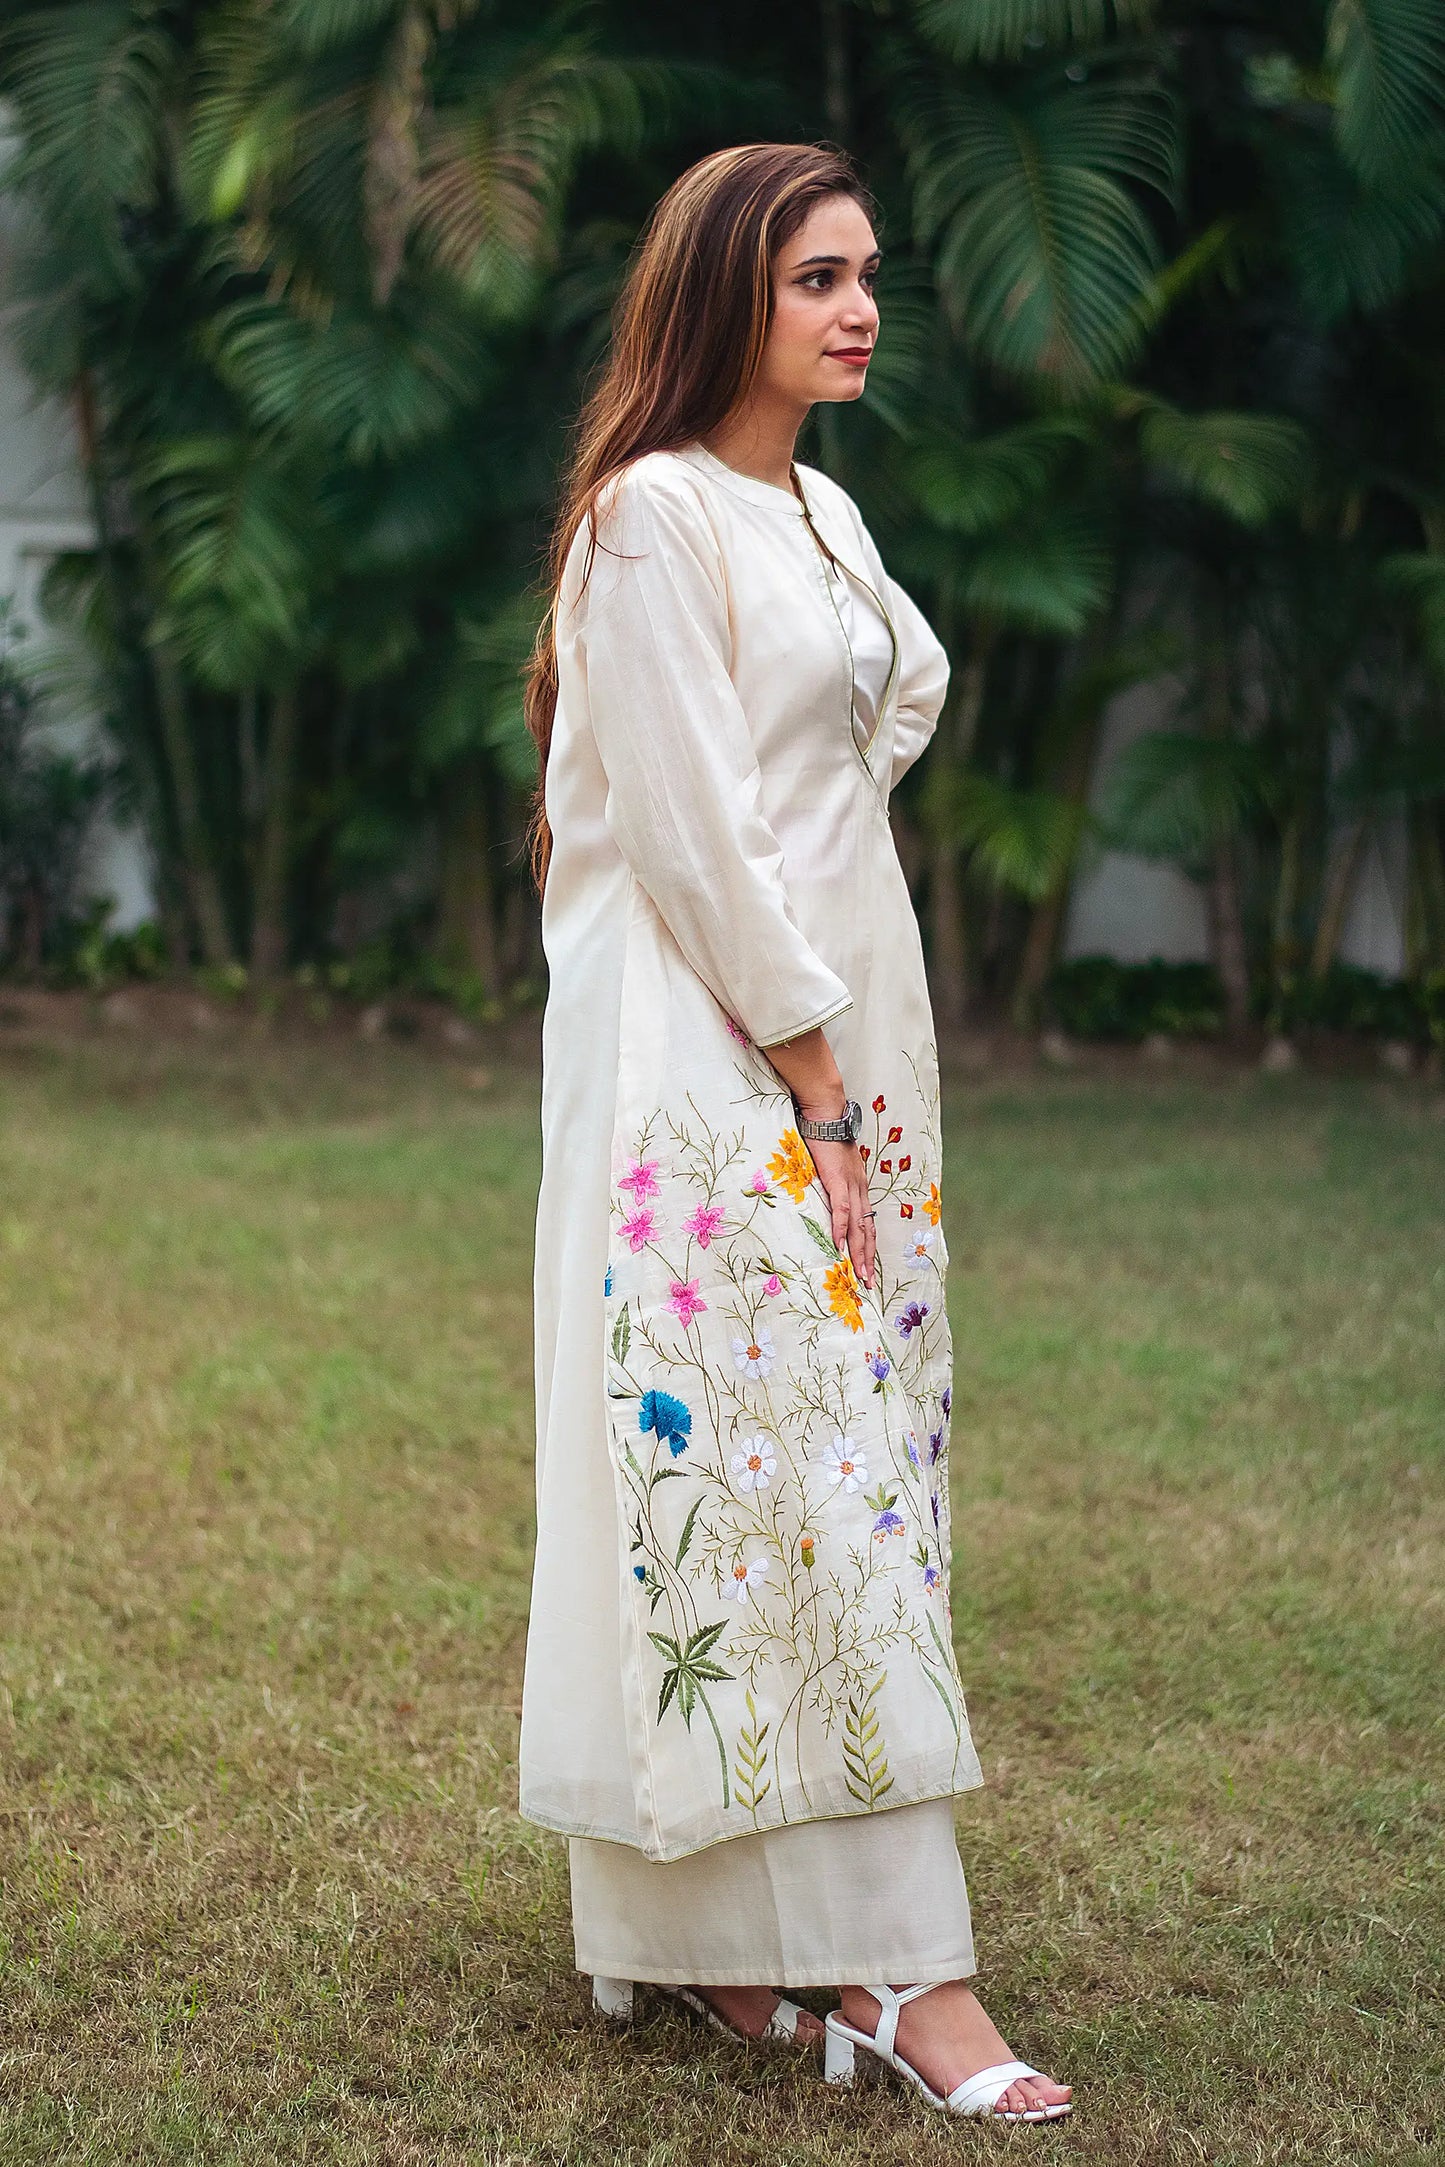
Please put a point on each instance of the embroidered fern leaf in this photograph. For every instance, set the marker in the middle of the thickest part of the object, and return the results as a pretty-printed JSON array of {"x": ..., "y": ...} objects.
[
  {"x": 825, "y": 1241},
  {"x": 750, "y": 1778},
  {"x": 865, "y": 1764}
]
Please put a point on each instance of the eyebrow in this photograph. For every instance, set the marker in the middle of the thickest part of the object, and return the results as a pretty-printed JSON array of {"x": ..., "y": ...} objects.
[{"x": 874, "y": 256}]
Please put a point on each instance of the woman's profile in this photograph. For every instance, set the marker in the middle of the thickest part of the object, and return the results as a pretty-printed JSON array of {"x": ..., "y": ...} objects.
[{"x": 740, "y": 1702}]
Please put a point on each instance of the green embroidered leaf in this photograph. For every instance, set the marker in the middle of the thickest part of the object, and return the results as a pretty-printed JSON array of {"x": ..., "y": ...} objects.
[
  {"x": 865, "y": 1764},
  {"x": 708, "y": 1670},
  {"x": 686, "y": 1536},
  {"x": 669, "y": 1687},
  {"x": 750, "y": 1775},
  {"x": 701, "y": 1641},
  {"x": 666, "y": 1647},
  {"x": 665, "y": 1474},
  {"x": 687, "y": 1696},
  {"x": 945, "y": 1696},
  {"x": 825, "y": 1241},
  {"x": 622, "y": 1335},
  {"x": 939, "y": 1642}
]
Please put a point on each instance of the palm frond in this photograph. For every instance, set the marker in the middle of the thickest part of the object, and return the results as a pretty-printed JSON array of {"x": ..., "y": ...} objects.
[
  {"x": 1044, "y": 257},
  {"x": 240, "y": 546},
  {"x": 88, "y": 88},
  {"x": 1352, "y": 246},
  {"x": 1387, "y": 58},
  {"x": 909, "y": 333},
  {"x": 1049, "y": 574},
  {"x": 974, "y": 487},
  {"x": 1023, "y": 841},
  {"x": 480, "y": 700},
  {"x": 1013, "y": 29},
  {"x": 1248, "y": 466},
  {"x": 368, "y": 383},
  {"x": 1418, "y": 578},
  {"x": 1174, "y": 793}
]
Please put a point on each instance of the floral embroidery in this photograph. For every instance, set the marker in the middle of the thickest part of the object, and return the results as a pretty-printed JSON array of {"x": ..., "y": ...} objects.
[
  {"x": 842, "y": 1288},
  {"x": 754, "y": 1357},
  {"x": 792, "y": 1165},
  {"x": 788, "y": 1535},
  {"x": 932, "y": 1207},
  {"x": 703, "y": 1223},
  {"x": 845, "y": 1465},
  {"x": 755, "y": 1466}
]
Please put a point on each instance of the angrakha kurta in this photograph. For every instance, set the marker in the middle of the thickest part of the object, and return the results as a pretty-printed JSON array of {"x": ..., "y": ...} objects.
[{"x": 740, "y": 1616}]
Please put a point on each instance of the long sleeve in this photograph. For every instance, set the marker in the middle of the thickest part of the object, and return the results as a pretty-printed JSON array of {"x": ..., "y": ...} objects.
[
  {"x": 922, "y": 682},
  {"x": 684, "y": 791}
]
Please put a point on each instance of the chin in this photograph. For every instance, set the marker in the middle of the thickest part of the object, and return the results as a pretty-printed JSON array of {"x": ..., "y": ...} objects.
[{"x": 842, "y": 394}]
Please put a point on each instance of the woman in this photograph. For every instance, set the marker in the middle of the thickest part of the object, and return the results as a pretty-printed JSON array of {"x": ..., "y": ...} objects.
[{"x": 740, "y": 1701}]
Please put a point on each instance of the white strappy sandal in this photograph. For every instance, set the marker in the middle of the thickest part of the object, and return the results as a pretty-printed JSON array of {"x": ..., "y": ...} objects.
[
  {"x": 615, "y": 1998},
  {"x": 977, "y": 2095}
]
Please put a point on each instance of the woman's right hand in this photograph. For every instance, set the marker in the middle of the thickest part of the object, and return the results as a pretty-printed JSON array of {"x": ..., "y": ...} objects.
[{"x": 844, "y": 1176}]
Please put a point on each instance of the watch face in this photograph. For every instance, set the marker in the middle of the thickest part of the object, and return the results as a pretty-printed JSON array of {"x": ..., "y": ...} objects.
[{"x": 853, "y": 1115}]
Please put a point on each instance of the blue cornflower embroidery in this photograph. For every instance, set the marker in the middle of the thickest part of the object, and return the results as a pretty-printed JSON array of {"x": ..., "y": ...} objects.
[{"x": 668, "y": 1417}]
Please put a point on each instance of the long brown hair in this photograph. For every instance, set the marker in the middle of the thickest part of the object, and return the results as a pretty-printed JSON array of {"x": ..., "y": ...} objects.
[{"x": 690, "y": 327}]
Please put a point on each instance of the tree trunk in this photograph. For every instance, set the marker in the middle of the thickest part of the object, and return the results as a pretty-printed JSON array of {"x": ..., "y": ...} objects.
[
  {"x": 958, "y": 729},
  {"x": 1284, "y": 942},
  {"x": 1226, "y": 935},
  {"x": 1339, "y": 887},
  {"x": 203, "y": 888},
  {"x": 273, "y": 849},
  {"x": 1428, "y": 869},
  {"x": 467, "y": 919}
]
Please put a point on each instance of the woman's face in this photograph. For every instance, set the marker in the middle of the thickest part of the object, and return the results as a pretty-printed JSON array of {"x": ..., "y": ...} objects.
[{"x": 825, "y": 319}]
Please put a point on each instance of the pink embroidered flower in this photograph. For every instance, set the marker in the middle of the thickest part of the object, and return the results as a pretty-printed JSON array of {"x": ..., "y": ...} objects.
[
  {"x": 772, "y": 1284},
  {"x": 639, "y": 1230},
  {"x": 735, "y": 1030},
  {"x": 641, "y": 1179},
  {"x": 684, "y": 1300},
  {"x": 704, "y": 1223},
  {"x": 758, "y": 1186}
]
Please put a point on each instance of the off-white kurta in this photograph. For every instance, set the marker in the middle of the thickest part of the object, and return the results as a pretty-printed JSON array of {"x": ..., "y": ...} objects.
[{"x": 740, "y": 1609}]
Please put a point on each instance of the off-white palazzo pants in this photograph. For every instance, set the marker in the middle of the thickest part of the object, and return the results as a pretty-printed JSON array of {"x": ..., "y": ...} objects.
[{"x": 879, "y": 1896}]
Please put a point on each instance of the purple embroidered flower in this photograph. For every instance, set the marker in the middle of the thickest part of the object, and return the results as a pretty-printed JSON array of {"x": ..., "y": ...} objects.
[
  {"x": 670, "y": 1419},
  {"x": 684, "y": 1300},
  {"x": 641, "y": 1179},
  {"x": 880, "y": 1365},
  {"x": 935, "y": 1446},
  {"x": 911, "y": 1319},
  {"x": 947, "y": 1401},
  {"x": 931, "y": 1576},
  {"x": 887, "y": 1523},
  {"x": 639, "y": 1229},
  {"x": 912, "y": 1443},
  {"x": 703, "y": 1223},
  {"x": 933, "y": 1501}
]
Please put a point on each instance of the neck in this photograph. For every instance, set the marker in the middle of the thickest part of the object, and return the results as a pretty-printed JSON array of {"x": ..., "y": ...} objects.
[{"x": 758, "y": 439}]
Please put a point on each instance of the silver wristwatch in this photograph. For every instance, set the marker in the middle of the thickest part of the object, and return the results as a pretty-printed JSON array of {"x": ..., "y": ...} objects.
[{"x": 845, "y": 1131}]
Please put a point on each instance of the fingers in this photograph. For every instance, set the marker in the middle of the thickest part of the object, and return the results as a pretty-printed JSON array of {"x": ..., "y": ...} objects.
[{"x": 850, "y": 1215}]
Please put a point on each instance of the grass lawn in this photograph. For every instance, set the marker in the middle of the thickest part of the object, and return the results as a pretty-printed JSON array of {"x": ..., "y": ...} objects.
[{"x": 265, "y": 1523}]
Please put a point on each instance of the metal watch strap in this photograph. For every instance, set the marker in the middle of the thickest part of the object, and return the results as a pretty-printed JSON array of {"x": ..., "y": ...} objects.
[{"x": 842, "y": 1131}]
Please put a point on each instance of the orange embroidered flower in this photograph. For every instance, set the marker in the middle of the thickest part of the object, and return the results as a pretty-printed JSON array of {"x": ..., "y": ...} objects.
[
  {"x": 932, "y": 1206},
  {"x": 792, "y": 1165},
  {"x": 805, "y": 1550},
  {"x": 843, "y": 1294}
]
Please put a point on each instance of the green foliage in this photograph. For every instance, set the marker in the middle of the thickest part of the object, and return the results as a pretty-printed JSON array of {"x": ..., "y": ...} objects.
[{"x": 1096, "y": 997}]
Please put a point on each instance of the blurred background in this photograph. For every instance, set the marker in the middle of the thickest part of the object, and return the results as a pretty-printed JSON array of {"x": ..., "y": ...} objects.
[
  {"x": 299, "y": 297},
  {"x": 299, "y": 300}
]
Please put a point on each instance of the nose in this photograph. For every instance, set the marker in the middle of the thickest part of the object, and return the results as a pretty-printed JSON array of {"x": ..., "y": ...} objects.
[{"x": 860, "y": 311}]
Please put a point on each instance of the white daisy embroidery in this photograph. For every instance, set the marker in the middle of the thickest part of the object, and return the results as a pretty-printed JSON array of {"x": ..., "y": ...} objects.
[
  {"x": 918, "y": 1255},
  {"x": 755, "y": 1466},
  {"x": 844, "y": 1464},
  {"x": 743, "y": 1577},
  {"x": 755, "y": 1357}
]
